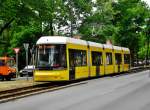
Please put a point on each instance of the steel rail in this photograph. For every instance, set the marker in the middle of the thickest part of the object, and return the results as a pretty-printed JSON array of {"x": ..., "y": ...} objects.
[{"x": 13, "y": 94}]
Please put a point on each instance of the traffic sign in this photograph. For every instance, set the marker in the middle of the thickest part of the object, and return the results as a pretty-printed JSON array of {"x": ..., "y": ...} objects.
[{"x": 16, "y": 50}]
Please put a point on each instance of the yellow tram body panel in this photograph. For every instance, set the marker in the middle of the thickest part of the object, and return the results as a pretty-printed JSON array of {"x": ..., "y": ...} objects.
[
  {"x": 117, "y": 70},
  {"x": 109, "y": 69},
  {"x": 54, "y": 75},
  {"x": 81, "y": 72},
  {"x": 76, "y": 46},
  {"x": 126, "y": 67},
  {"x": 93, "y": 71}
]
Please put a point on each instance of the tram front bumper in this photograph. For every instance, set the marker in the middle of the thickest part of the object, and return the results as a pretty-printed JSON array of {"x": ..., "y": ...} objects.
[{"x": 50, "y": 76}]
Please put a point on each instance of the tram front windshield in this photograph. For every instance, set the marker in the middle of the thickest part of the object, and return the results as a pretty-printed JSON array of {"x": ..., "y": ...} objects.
[{"x": 51, "y": 57}]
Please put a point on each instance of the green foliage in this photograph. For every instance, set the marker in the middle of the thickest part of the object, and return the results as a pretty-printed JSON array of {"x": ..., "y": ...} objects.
[
  {"x": 98, "y": 27},
  {"x": 129, "y": 18},
  {"x": 122, "y": 21}
]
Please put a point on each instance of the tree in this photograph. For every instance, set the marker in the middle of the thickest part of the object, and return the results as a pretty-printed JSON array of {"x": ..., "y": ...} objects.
[
  {"x": 75, "y": 12},
  {"x": 98, "y": 27},
  {"x": 129, "y": 18}
]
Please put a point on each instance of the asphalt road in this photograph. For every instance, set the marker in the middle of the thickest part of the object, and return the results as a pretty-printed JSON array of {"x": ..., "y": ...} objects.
[{"x": 128, "y": 92}]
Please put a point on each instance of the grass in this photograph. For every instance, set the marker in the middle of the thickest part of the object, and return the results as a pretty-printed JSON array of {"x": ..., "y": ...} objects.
[{"x": 6, "y": 85}]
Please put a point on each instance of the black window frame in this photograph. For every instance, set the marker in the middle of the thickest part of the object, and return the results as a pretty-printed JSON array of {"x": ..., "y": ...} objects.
[
  {"x": 77, "y": 58},
  {"x": 95, "y": 56},
  {"x": 127, "y": 59},
  {"x": 118, "y": 58},
  {"x": 109, "y": 58}
]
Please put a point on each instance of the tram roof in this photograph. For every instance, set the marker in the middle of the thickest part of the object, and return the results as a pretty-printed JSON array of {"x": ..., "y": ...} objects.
[
  {"x": 108, "y": 46},
  {"x": 95, "y": 44},
  {"x": 125, "y": 49},
  {"x": 65, "y": 40},
  {"x": 117, "y": 48},
  {"x": 60, "y": 40}
]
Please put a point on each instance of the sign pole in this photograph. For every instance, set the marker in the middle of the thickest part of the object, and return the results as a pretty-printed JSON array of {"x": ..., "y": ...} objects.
[
  {"x": 16, "y": 65},
  {"x": 16, "y": 51},
  {"x": 32, "y": 59},
  {"x": 26, "y": 46},
  {"x": 27, "y": 63}
]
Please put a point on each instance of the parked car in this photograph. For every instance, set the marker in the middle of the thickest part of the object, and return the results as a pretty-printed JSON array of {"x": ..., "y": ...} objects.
[{"x": 27, "y": 71}]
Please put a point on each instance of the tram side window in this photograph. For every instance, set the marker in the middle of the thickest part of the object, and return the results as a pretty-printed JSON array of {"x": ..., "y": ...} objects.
[
  {"x": 97, "y": 58},
  {"x": 77, "y": 57},
  {"x": 118, "y": 58},
  {"x": 109, "y": 58},
  {"x": 126, "y": 59}
]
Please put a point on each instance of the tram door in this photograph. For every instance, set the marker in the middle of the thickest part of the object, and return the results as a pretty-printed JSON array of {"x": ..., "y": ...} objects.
[
  {"x": 97, "y": 70},
  {"x": 71, "y": 65},
  {"x": 97, "y": 61},
  {"x": 118, "y": 61}
]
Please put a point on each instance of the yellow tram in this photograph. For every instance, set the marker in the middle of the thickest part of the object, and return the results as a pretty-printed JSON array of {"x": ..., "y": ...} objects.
[{"x": 63, "y": 59}]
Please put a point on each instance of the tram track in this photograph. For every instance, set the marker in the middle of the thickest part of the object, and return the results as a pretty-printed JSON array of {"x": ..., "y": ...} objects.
[
  {"x": 12, "y": 94},
  {"x": 18, "y": 93},
  {"x": 139, "y": 69}
]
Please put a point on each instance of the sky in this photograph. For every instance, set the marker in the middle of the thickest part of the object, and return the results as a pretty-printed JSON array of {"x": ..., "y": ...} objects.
[{"x": 148, "y": 2}]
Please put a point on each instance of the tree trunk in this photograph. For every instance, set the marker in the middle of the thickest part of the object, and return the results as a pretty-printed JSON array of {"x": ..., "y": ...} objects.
[
  {"x": 147, "y": 51},
  {"x": 71, "y": 30},
  {"x": 51, "y": 28},
  {"x": 6, "y": 25},
  {"x": 132, "y": 58}
]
